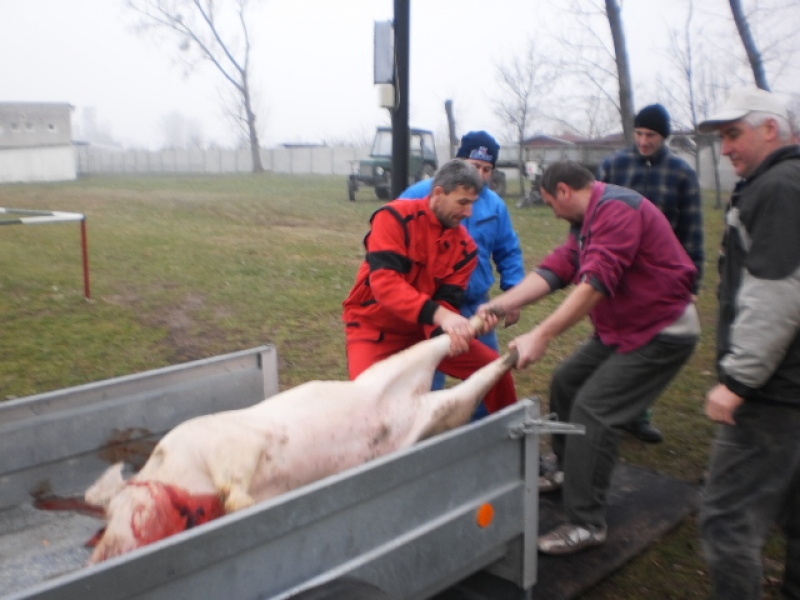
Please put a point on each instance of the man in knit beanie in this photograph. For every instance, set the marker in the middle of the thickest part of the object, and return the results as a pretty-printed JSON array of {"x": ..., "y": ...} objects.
[
  {"x": 671, "y": 184},
  {"x": 491, "y": 227}
]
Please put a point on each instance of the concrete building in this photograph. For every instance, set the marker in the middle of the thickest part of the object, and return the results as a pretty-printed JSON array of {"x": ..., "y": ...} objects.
[{"x": 36, "y": 142}]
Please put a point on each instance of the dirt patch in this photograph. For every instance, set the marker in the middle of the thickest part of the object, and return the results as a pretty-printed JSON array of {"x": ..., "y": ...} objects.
[{"x": 189, "y": 337}]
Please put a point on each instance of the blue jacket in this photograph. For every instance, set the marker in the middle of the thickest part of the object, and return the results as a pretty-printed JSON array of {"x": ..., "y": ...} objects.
[{"x": 490, "y": 226}]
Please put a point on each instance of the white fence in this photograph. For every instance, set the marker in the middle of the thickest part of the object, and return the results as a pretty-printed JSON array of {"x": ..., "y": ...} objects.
[
  {"x": 318, "y": 160},
  {"x": 321, "y": 160}
]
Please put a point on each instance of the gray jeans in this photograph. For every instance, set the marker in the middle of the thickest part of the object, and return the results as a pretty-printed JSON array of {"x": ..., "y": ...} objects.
[
  {"x": 754, "y": 482},
  {"x": 603, "y": 390}
]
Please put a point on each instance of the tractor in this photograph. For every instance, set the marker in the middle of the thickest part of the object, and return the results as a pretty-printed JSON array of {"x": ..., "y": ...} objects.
[{"x": 376, "y": 171}]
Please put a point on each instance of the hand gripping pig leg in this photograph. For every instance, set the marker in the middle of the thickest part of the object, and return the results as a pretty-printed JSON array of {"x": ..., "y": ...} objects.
[{"x": 413, "y": 368}]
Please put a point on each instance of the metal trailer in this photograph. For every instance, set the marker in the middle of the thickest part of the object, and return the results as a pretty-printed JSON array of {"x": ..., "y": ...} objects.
[{"x": 412, "y": 524}]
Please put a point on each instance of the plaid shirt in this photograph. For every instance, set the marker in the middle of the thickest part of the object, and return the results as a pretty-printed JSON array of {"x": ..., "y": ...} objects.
[{"x": 669, "y": 183}]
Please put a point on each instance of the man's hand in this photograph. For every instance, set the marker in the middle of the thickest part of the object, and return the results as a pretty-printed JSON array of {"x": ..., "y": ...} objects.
[
  {"x": 721, "y": 403},
  {"x": 512, "y": 317},
  {"x": 459, "y": 329},
  {"x": 531, "y": 347},
  {"x": 489, "y": 311}
]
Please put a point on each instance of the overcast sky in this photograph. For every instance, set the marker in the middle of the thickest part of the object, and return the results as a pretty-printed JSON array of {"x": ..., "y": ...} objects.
[{"x": 312, "y": 63}]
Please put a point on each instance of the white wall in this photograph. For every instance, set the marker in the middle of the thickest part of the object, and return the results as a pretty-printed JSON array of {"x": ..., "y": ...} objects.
[
  {"x": 53, "y": 163},
  {"x": 323, "y": 160}
]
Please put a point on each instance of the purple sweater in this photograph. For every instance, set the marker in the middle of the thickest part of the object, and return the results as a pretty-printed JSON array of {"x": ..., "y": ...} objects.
[{"x": 626, "y": 249}]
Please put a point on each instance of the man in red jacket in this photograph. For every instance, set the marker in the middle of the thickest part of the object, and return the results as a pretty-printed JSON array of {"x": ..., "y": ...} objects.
[{"x": 413, "y": 279}]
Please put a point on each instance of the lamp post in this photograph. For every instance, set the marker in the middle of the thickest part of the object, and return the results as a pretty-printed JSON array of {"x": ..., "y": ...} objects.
[{"x": 402, "y": 18}]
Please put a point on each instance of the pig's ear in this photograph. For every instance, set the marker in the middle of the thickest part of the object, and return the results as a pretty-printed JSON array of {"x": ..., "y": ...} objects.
[{"x": 104, "y": 489}]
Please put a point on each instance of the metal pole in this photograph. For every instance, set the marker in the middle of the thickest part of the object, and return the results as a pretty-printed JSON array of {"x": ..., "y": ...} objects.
[
  {"x": 85, "y": 248},
  {"x": 402, "y": 20}
]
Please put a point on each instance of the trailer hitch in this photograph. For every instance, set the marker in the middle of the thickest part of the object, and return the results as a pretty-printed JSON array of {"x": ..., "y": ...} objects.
[{"x": 546, "y": 424}]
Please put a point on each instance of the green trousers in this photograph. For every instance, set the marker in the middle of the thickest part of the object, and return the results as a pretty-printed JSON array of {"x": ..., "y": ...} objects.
[{"x": 604, "y": 390}]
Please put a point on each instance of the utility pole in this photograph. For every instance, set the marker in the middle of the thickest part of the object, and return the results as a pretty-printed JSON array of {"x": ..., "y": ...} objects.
[{"x": 402, "y": 22}]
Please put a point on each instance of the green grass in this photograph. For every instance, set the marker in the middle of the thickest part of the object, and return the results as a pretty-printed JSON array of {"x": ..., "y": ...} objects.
[{"x": 184, "y": 268}]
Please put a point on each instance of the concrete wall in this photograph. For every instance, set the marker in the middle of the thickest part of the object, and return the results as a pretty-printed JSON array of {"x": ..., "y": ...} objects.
[
  {"x": 35, "y": 124},
  {"x": 36, "y": 142},
  {"x": 54, "y": 163},
  {"x": 323, "y": 160}
]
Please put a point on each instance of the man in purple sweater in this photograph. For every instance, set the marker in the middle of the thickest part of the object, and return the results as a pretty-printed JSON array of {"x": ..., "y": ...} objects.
[{"x": 634, "y": 280}]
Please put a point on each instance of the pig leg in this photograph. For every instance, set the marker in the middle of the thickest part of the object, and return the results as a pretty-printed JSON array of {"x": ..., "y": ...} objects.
[
  {"x": 232, "y": 472},
  {"x": 410, "y": 370},
  {"x": 106, "y": 487},
  {"x": 447, "y": 409}
]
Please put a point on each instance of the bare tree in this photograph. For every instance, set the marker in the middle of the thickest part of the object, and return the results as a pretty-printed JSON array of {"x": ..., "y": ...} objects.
[
  {"x": 523, "y": 85},
  {"x": 623, "y": 68},
  {"x": 201, "y": 31},
  {"x": 181, "y": 132},
  {"x": 593, "y": 66},
  {"x": 91, "y": 129},
  {"x": 681, "y": 53},
  {"x": 753, "y": 54},
  {"x": 694, "y": 93}
]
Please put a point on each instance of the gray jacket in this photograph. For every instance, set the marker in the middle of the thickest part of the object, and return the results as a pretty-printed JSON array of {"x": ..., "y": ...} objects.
[{"x": 758, "y": 334}]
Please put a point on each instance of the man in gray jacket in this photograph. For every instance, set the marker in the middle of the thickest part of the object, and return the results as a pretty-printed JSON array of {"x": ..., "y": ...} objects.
[{"x": 754, "y": 477}]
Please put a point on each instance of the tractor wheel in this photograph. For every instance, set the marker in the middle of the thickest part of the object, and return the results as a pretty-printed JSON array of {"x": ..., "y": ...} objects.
[
  {"x": 383, "y": 190},
  {"x": 352, "y": 188}
]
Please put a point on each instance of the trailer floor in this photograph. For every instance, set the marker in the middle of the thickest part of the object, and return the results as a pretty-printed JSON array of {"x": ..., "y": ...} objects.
[
  {"x": 643, "y": 507},
  {"x": 38, "y": 545}
]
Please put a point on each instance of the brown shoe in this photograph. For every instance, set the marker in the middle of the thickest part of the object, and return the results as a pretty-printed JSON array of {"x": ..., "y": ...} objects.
[{"x": 570, "y": 538}]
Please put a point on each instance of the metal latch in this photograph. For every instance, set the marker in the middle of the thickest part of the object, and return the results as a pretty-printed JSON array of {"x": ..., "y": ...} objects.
[{"x": 547, "y": 424}]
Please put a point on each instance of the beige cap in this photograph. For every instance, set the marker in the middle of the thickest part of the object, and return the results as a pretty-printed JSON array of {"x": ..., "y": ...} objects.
[{"x": 742, "y": 102}]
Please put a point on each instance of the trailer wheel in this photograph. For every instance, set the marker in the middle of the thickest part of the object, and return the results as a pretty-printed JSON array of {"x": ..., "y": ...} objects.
[{"x": 343, "y": 589}]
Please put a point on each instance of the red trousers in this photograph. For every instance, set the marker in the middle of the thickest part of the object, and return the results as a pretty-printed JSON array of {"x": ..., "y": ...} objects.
[{"x": 363, "y": 354}]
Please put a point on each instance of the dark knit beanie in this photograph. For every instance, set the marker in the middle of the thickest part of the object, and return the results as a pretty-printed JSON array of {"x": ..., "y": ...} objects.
[
  {"x": 479, "y": 145},
  {"x": 653, "y": 117}
]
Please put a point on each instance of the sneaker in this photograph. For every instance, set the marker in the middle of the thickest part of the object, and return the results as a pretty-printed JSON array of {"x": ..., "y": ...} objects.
[
  {"x": 550, "y": 481},
  {"x": 570, "y": 538},
  {"x": 645, "y": 431}
]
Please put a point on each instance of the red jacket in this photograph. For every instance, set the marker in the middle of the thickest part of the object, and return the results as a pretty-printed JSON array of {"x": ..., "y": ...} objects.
[{"x": 413, "y": 265}]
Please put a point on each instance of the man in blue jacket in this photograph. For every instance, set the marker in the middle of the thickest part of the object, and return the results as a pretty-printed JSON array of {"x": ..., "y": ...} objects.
[{"x": 490, "y": 226}]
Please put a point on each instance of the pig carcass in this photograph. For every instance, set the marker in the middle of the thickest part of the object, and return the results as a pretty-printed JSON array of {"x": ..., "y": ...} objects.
[{"x": 219, "y": 463}]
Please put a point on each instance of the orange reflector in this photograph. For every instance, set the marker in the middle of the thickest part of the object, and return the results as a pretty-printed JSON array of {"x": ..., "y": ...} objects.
[{"x": 485, "y": 515}]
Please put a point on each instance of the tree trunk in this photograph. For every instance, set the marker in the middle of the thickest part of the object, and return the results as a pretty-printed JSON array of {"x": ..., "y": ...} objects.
[
  {"x": 623, "y": 69},
  {"x": 521, "y": 165},
  {"x": 255, "y": 146},
  {"x": 717, "y": 183},
  {"x": 451, "y": 127},
  {"x": 753, "y": 55}
]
